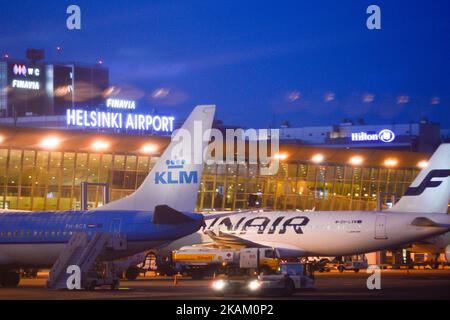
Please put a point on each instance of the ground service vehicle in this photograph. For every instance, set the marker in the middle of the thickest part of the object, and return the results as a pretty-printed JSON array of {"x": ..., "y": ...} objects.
[
  {"x": 199, "y": 262},
  {"x": 352, "y": 265},
  {"x": 293, "y": 276}
]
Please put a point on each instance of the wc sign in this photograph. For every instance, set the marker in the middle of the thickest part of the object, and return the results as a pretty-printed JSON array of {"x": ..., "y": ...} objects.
[
  {"x": 22, "y": 70},
  {"x": 384, "y": 135},
  {"x": 24, "y": 77}
]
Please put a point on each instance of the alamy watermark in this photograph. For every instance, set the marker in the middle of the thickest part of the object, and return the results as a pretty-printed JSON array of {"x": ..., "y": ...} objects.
[
  {"x": 73, "y": 21},
  {"x": 73, "y": 282},
  {"x": 373, "y": 22},
  {"x": 374, "y": 280},
  {"x": 237, "y": 146}
]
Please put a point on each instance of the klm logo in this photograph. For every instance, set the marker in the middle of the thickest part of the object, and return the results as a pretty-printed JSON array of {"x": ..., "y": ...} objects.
[{"x": 175, "y": 174}]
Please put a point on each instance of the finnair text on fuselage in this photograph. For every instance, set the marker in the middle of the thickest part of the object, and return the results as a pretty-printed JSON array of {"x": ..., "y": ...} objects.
[{"x": 261, "y": 225}]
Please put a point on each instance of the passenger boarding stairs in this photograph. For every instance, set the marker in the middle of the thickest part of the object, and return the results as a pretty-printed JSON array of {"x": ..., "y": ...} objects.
[{"x": 81, "y": 252}]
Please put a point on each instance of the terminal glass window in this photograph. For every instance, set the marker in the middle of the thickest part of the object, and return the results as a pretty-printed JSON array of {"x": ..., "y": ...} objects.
[{"x": 43, "y": 180}]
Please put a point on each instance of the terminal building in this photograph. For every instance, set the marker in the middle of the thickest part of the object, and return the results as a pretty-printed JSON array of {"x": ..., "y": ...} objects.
[
  {"x": 59, "y": 128},
  {"x": 34, "y": 88},
  {"x": 42, "y": 169},
  {"x": 67, "y": 144},
  {"x": 72, "y": 96},
  {"x": 423, "y": 136}
]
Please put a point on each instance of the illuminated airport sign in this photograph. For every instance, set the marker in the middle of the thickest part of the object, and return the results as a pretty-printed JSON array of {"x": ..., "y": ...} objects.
[
  {"x": 24, "y": 84},
  {"x": 385, "y": 136},
  {"x": 25, "y": 77},
  {"x": 119, "y": 120},
  {"x": 121, "y": 104},
  {"x": 23, "y": 70}
]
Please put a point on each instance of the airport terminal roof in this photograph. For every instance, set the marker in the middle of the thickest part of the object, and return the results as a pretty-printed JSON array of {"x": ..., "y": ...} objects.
[{"x": 82, "y": 141}]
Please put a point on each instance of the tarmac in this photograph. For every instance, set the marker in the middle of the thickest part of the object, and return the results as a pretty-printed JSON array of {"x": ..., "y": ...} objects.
[{"x": 395, "y": 284}]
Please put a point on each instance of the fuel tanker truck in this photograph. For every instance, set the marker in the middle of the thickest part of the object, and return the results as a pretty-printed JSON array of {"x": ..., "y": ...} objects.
[{"x": 199, "y": 262}]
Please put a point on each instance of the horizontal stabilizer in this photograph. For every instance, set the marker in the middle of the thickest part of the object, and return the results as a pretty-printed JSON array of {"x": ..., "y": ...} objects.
[
  {"x": 227, "y": 240},
  {"x": 166, "y": 215},
  {"x": 426, "y": 222}
]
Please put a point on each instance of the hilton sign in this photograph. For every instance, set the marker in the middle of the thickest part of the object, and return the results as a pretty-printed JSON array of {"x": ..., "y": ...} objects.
[{"x": 385, "y": 136}]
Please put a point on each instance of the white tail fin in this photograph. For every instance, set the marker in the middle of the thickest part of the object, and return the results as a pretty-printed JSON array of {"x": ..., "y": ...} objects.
[
  {"x": 174, "y": 181},
  {"x": 430, "y": 191}
]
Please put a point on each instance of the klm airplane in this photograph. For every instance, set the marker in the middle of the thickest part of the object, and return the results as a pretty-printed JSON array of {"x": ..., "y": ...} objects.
[{"x": 158, "y": 212}]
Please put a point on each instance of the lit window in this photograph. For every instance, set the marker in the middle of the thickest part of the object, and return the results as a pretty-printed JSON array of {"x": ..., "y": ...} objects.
[
  {"x": 423, "y": 164},
  {"x": 100, "y": 145},
  {"x": 50, "y": 143},
  {"x": 318, "y": 158},
  {"x": 281, "y": 156},
  {"x": 149, "y": 148},
  {"x": 390, "y": 162}
]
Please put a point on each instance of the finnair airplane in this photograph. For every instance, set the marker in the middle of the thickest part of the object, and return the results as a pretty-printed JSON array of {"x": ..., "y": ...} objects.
[
  {"x": 158, "y": 212},
  {"x": 434, "y": 246},
  {"x": 418, "y": 215},
  {"x": 441, "y": 243}
]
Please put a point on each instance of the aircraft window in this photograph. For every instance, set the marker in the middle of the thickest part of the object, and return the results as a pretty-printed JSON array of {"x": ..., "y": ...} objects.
[
  {"x": 53, "y": 233},
  {"x": 3, "y": 234},
  {"x": 9, "y": 234},
  {"x": 28, "y": 233},
  {"x": 41, "y": 233},
  {"x": 47, "y": 233},
  {"x": 58, "y": 233},
  {"x": 35, "y": 233},
  {"x": 22, "y": 233},
  {"x": 64, "y": 233}
]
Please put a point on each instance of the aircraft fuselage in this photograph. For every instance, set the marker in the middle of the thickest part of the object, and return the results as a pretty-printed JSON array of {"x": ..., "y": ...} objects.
[
  {"x": 328, "y": 233},
  {"x": 37, "y": 239}
]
